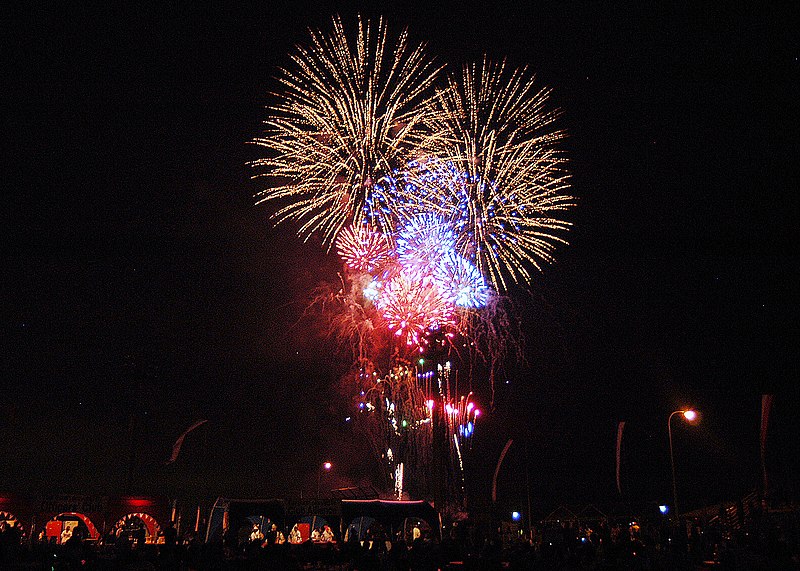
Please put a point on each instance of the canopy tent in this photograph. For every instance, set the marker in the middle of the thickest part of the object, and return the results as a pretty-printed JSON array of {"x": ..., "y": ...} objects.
[
  {"x": 561, "y": 514},
  {"x": 392, "y": 515},
  {"x": 229, "y": 513},
  {"x": 590, "y": 514}
]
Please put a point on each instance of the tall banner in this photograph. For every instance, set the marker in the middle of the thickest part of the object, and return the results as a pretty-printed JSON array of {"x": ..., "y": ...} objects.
[
  {"x": 497, "y": 469},
  {"x": 176, "y": 448},
  {"x": 766, "y": 406},
  {"x": 620, "y": 428}
]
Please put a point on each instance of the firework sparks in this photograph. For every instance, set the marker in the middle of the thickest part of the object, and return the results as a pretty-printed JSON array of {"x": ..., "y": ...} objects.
[
  {"x": 462, "y": 417},
  {"x": 351, "y": 111},
  {"x": 363, "y": 250},
  {"x": 437, "y": 198},
  {"x": 462, "y": 280},
  {"x": 398, "y": 422},
  {"x": 501, "y": 179},
  {"x": 413, "y": 304},
  {"x": 424, "y": 241}
]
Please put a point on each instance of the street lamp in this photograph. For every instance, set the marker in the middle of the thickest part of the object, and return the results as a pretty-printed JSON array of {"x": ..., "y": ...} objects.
[
  {"x": 325, "y": 467},
  {"x": 690, "y": 416}
]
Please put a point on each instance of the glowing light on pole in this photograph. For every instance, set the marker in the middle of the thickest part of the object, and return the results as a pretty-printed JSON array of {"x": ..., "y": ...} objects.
[
  {"x": 690, "y": 416},
  {"x": 325, "y": 467}
]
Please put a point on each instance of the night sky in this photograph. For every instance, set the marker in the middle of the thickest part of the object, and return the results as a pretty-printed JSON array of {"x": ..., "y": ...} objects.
[{"x": 143, "y": 290}]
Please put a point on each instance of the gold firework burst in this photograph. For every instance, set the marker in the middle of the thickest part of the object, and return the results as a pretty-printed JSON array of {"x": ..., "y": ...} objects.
[
  {"x": 499, "y": 174},
  {"x": 349, "y": 113}
]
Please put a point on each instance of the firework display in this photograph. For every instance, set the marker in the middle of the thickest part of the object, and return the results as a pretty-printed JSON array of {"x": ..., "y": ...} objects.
[
  {"x": 399, "y": 412},
  {"x": 413, "y": 304},
  {"x": 348, "y": 114},
  {"x": 362, "y": 250},
  {"x": 499, "y": 173},
  {"x": 438, "y": 192}
]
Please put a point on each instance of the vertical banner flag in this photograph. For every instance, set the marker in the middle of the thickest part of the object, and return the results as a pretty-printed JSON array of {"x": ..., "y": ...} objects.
[
  {"x": 766, "y": 405},
  {"x": 620, "y": 428},
  {"x": 497, "y": 468},
  {"x": 176, "y": 448}
]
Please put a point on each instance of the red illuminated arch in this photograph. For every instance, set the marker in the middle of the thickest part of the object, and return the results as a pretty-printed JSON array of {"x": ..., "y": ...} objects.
[
  {"x": 9, "y": 517},
  {"x": 150, "y": 523},
  {"x": 93, "y": 533}
]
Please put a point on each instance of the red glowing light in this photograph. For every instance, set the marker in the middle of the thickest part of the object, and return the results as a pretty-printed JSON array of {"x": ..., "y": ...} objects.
[
  {"x": 413, "y": 304},
  {"x": 138, "y": 502}
]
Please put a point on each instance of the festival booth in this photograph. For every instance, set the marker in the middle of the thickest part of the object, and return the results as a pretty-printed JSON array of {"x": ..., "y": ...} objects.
[
  {"x": 14, "y": 512},
  {"x": 133, "y": 515},
  {"x": 305, "y": 516},
  {"x": 591, "y": 516},
  {"x": 400, "y": 519},
  {"x": 239, "y": 516},
  {"x": 87, "y": 517},
  {"x": 67, "y": 525},
  {"x": 68, "y": 516},
  {"x": 91, "y": 517},
  {"x": 553, "y": 525},
  {"x": 303, "y": 530}
]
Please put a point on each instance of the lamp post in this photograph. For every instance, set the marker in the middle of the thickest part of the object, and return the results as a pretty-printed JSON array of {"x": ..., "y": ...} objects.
[
  {"x": 325, "y": 467},
  {"x": 690, "y": 416}
]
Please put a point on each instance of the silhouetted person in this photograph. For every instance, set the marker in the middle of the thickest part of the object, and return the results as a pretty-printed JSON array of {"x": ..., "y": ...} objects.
[
  {"x": 140, "y": 535},
  {"x": 272, "y": 534},
  {"x": 170, "y": 535}
]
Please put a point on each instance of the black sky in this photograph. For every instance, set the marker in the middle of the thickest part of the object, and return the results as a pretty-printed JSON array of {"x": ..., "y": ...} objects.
[{"x": 141, "y": 282}]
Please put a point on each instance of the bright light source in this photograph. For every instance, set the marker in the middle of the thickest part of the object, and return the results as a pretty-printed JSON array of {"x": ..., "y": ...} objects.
[
  {"x": 327, "y": 465},
  {"x": 690, "y": 415},
  {"x": 663, "y": 509},
  {"x": 516, "y": 516}
]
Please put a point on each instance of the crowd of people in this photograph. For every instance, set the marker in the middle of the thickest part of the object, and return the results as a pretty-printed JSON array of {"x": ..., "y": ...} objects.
[
  {"x": 275, "y": 536},
  {"x": 605, "y": 545}
]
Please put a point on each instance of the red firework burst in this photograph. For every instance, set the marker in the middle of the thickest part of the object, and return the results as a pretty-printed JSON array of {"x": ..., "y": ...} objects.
[
  {"x": 362, "y": 250},
  {"x": 413, "y": 304}
]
